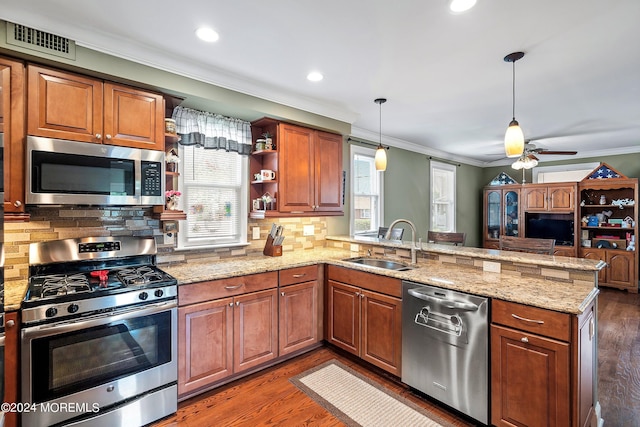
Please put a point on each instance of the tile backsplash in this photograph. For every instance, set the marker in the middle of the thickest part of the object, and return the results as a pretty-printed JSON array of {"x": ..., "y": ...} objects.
[{"x": 52, "y": 223}]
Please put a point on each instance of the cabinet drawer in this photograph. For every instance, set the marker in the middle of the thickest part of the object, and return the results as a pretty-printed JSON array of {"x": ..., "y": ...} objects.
[
  {"x": 531, "y": 319},
  {"x": 370, "y": 281},
  {"x": 214, "y": 289},
  {"x": 298, "y": 275}
]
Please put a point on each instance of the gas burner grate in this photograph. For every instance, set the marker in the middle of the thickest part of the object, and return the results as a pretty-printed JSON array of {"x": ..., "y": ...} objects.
[
  {"x": 62, "y": 284},
  {"x": 139, "y": 276}
]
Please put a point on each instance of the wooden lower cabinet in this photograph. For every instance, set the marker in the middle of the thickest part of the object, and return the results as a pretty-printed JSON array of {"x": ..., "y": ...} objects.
[
  {"x": 543, "y": 366},
  {"x": 364, "y": 322},
  {"x": 620, "y": 270},
  {"x": 298, "y": 311},
  {"x": 221, "y": 337}
]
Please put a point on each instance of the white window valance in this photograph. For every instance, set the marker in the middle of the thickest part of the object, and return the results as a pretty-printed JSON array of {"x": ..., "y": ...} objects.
[{"x": 213, "y": 131}]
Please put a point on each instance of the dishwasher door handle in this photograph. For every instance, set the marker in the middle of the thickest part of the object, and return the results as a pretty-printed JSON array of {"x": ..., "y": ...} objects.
[{"x": 445, "y": 302}]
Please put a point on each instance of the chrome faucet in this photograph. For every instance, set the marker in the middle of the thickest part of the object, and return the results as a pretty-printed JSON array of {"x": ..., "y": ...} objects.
[{"x": 387, "y": 236}]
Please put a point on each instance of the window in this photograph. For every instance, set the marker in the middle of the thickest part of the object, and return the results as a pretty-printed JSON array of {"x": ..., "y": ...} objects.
[
  {"x": 214, "y": 188},
  {"x": 443, "y": 197},
  {"x": 366, "y": 192},
  {"x": 563, "y": 173}
]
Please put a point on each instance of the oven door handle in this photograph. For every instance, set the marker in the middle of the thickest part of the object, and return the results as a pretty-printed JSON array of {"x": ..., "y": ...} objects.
[{"x": 97, "y": 320}]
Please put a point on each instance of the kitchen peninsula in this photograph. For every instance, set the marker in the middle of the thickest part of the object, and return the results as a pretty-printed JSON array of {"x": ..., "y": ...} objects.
[{"x": 560, "y": 291}]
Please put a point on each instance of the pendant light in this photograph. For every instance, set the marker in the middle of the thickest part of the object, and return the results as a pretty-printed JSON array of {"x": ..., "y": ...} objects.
[
  {"x": 381, "y": 154},
  {"x": 514, "y": 138}
]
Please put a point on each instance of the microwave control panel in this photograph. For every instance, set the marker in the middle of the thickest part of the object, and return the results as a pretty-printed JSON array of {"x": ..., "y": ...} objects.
[{"x": 151, "y": 178}]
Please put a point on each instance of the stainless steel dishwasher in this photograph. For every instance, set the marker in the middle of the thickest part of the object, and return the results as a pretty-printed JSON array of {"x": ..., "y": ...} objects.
[{"x": 445, "y": 347}]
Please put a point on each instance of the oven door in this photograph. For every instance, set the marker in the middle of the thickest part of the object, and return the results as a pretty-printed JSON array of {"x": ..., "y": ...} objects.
[{"x": 98, "y": 362}]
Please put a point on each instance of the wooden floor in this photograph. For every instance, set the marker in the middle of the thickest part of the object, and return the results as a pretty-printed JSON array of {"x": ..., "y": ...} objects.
[
  {"x": 268, "y": 398},
  {"x": 619, "y": 358}
]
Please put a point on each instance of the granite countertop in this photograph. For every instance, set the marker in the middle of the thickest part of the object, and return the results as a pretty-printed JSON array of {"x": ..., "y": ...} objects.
[
  {"x": 548, "y": 294},
  {"x": 488, "y": 254}
]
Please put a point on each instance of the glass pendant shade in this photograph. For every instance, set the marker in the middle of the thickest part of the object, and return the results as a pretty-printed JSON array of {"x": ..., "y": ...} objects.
[
  {"x": 381, "y": 159},
  {"x": 514, "y": 140}
]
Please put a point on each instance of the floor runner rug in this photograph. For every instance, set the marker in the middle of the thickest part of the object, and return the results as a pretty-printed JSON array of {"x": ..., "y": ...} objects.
[{"x": 359, "y": 401}]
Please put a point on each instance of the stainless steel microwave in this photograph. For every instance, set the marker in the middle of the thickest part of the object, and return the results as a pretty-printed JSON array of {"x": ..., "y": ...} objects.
[{"x": 61, "y": 172}]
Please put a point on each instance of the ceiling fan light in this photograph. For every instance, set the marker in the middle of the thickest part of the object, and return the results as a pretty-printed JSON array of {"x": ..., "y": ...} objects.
[
  {"x": 514, "y": 140},
  {"x": 459, "y": 6},
  {"x": 518, "y": 164},
  {"x": 530, "y": 163},
  {"x": 381, "y": 159}
]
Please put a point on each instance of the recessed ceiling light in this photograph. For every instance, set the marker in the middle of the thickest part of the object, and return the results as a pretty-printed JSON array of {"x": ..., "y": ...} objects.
[
  {"x": 207, "y": 34},
  {"x": 459, "y": 6},
  {"x": 315, "y": 76}
]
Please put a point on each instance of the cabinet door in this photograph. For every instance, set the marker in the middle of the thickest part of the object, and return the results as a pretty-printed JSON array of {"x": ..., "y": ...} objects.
[
  {"x": 535, "y": 198},
  {"x": 561, "y": 198},
  {"x": 328, "y": 171},
  {"x": 205, "y": 344},
  {"x": 133, "y": 118},
  {"x": 296, "y": 173},
  {"x": 11, "y": 365},
  {"x": 255, "y": 329},
  {"x": 298, "y": 313},
  {"x": 529, "y": 379},
  {"x": 493, "y": 216},
  {"x": 382, "y": 331},
  {"x": 64, "y": 105},
  {"x": 620, "y": 270},
  {"x": 596, "y": 255},
  {"x": 343, "y": 323},
  {"x": 12, "y": 116},
  {"x": 511, "y": 199},
  {"x": 587, "y": 359}
]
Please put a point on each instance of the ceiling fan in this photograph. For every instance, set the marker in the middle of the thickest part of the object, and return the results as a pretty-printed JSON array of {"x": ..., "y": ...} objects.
[{"x": 529, "y": 160}]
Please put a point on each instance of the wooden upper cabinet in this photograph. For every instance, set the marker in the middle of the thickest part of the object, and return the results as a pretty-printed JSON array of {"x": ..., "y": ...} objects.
[
  {"x": 64, "y": 105},
  {"x": 12, "y": 108},
  {"x": 328, "y": 163},
  {"x": 296, "y": 161},
  {"x": 310, "y": 165},
  {"x": 132, "y": 117},
  {"x": 75, "y": 107},
  {"x": 549, "y": 197}
]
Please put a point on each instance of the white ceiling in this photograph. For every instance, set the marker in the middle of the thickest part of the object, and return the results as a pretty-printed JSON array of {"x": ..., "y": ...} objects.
[{"x": 448, "y": 88}]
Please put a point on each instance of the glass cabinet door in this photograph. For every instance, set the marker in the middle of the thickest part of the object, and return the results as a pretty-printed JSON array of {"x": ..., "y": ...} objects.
[
  {"x": 493, "y": 214},
  {"x": 511, "y": 218}
]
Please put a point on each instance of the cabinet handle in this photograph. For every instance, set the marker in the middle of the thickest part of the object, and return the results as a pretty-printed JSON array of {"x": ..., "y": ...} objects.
[
  {"x": 524, "y": 339},
  {"x": 539, "y": 322},
  {"x": 10, "y": 323},
  {"x": 297, "y": 212},
  {"x": 98, "y": 136},
  {"x": 231, "y": 288},
  {"x": 108, "y": 136},
  {"x": 17, "y": 203},
  {"x": 592, "y": 328},
  {"x": 297, "y": 276}
]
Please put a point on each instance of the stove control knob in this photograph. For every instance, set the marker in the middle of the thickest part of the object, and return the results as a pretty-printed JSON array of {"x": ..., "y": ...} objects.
[
  {"x": 143, "y": 296},
  {"x": 73, "y": 308},
  {"x": 52, "y": 311},
  {"x": 158, "y": 293}
]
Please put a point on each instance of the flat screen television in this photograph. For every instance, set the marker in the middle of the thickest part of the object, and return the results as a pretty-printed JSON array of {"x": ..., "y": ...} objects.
[{"x": 544, "y": 228}]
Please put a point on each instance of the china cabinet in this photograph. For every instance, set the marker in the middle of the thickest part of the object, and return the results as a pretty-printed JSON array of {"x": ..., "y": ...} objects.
[{"x": 609, "y": 226}]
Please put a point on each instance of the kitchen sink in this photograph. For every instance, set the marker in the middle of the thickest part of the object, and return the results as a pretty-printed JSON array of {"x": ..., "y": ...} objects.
[{"x": 379, "y": 263}]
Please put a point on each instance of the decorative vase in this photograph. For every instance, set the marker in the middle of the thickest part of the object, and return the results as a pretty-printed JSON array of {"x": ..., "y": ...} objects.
[{"x": 172, "y": 203}]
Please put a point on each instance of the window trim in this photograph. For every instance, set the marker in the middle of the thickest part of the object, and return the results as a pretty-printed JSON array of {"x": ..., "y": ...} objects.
[
  {"x": 181, "y": 241},
  {"x": 435, "y": 165},
  {"x": 358, "y": 149}
]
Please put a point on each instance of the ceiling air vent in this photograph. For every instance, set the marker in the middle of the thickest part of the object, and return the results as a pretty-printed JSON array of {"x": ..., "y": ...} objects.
[{"x": 30, "y": 38}]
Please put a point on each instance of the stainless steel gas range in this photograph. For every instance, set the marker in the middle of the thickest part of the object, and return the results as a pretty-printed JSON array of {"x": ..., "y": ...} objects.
[{"x": 99, "y": 343}]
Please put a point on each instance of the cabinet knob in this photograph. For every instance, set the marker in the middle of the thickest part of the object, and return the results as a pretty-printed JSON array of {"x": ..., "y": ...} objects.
[
  {"x": 237, "y": 303},
  {"x": 282, "y": 293},
  {"x": 524, "y": 339},
  {"x": 17, "y": 203},
  {"x": 108, "y": 136},
  {"x": 98, "y": 136},
  {"x": 10, "y": 323}
]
